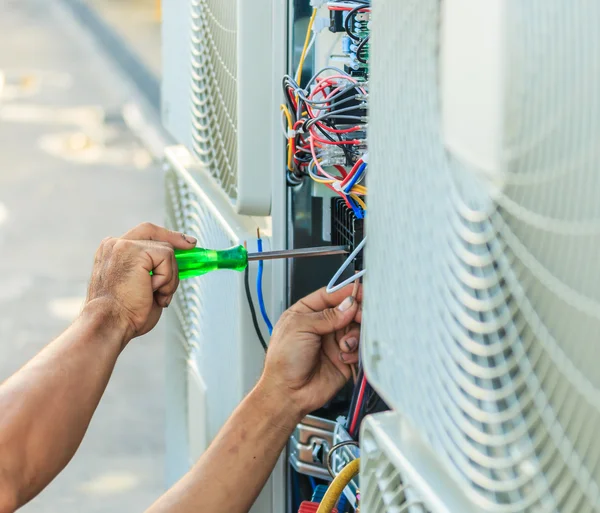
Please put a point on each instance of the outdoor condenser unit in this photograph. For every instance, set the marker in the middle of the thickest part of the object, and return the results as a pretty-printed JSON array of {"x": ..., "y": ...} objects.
[{"x": 482, "y": 328}]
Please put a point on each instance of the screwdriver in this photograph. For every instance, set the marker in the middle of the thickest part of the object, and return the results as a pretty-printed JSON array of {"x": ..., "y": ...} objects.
[{"x": 198, "y": 261}]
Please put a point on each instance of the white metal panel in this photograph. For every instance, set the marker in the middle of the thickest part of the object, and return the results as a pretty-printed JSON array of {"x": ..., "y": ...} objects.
[
  {"x": 237, "y": 52},
  {"x": 210, "y": 327},
  {"x": 483, "y": 302}
]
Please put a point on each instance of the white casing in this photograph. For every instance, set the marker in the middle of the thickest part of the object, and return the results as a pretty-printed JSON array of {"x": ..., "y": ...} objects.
[
  {"x": 393, "y": 463},
  {"x": 482, "y": 291},
  {"x": 223, "y": 61},
  {"x": 213, "y": 355}
]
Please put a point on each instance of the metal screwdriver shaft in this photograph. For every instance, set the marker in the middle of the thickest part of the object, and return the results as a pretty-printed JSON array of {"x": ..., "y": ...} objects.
[{"x": 298, "y": 253}]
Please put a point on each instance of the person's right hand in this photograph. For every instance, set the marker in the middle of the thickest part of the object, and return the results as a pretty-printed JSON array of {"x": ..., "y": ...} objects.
[
  {"x": 311, "y": 349},
  {"x": 121, "y": 283}
]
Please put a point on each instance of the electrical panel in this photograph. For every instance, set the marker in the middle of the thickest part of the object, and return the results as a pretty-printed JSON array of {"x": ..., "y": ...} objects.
[{"x": 325, "y": 115}]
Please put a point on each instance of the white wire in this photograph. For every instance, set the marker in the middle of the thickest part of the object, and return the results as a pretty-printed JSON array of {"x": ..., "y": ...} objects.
[
  {"x": 331, "y": 286},
  {"x": 312, "y": 42},
  {"x": 308, "y": 48}
]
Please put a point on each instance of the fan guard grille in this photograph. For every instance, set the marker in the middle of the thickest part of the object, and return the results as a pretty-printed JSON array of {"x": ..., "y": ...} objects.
[{"x": 484, "y": 331}]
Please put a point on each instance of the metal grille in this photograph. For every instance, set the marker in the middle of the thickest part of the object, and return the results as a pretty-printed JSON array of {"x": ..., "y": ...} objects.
[
  {"x": 483, "y": 292},
  {"x": 383, "y": 487},
  {"x": 203, "y": 316},
  {"x": 214, "y": 89},
  {"x": 210, "y": 331}
]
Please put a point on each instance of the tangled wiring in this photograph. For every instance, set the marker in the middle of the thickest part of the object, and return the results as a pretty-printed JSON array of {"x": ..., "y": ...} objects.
[{"x": 326, "y": 122}]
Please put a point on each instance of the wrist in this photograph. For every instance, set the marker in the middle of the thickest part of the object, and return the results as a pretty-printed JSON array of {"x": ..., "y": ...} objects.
[
  {"x": 105, "y": 317},
  {"x": 279, "y": 403}
]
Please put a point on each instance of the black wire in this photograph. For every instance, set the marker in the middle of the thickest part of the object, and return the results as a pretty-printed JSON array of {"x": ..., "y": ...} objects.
[
  {"x": 360, "y": 48},
  {"x": 347, "y": 21},
  {"x": 253, "y": 310}
]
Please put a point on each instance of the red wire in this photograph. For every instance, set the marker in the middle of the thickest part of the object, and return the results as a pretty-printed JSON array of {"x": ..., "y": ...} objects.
[
  {"x": 347, "y": 9},
  {"x": 359, "y": 401},
  {"x": 341, "y": 170},
  {"x": 352, "y": 172},
  {"x": 338, "y": 130},
  {"x": 316, "y": 137}
]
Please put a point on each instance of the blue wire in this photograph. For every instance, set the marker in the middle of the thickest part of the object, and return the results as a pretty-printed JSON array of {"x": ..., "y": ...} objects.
[
  {"x": 355, "y": 208},
  {"x": 356, "y": 177},
  {"x": 259, "y": 290},
  {"x": 313, "y": 483}
]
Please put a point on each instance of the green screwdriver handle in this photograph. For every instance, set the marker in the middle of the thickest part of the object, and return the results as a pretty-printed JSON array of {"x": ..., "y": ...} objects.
[{"x": 199, "y": 261}]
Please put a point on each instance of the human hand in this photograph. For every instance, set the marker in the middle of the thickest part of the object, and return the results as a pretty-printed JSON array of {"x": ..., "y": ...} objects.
[
  {"x": 311, "y": 348},
  {"x": 121, "y": 284}
]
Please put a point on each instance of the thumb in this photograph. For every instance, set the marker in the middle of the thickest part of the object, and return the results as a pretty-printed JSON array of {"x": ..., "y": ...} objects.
[{"x": 332, "y": 319}]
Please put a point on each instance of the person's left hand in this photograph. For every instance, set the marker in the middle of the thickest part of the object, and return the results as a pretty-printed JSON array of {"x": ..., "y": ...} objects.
[{"x": 312, "y": 345}]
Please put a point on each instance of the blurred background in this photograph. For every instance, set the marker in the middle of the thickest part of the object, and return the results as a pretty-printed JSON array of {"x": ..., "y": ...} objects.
[{"x": 78, "y": 86}]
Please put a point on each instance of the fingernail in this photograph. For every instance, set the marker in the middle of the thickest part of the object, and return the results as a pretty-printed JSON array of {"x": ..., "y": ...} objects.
[
  {"x": 342, "y": 356},
  {"x": 351, "y": 343},
  {"x": 346, "y": 304},
  {"x": 189, "y": 239},
  {"x": 168, "y": 303}
]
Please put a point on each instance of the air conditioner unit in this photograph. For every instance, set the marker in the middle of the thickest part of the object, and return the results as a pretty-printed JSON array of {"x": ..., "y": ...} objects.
[
  {"x": 223, "y": 65},
  {"x": 213, "y": 355},
  {"x": 483, "y": 288}
]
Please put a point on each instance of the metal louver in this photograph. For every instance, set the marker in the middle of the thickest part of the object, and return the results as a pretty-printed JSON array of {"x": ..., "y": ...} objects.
[
  {"x": 213, "y": 356},
  {"x": 482, "y": 327},
  {"x": 233, "y": 52},
  {"x": 390, "y": 482}
]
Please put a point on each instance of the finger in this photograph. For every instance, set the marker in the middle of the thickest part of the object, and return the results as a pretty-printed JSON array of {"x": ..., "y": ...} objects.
[
  {"x": 164, "y": 294},
  {"x": 331, "y": 319},
  {"x": 149, "y": 231},
  {"x": 331, "y": 350},
  {"x": 168, "y": 289},
  {"x": 359, "y": 314},
  {"x": 348, "y": 343},
  {"x": 160, "y": 263},
  {"x": 320, "y": 299},
  {"x": 348, "y": 358}
]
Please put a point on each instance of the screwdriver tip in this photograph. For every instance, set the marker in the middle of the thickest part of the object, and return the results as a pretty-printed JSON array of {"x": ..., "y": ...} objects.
[{"x": 258, "y": 233}]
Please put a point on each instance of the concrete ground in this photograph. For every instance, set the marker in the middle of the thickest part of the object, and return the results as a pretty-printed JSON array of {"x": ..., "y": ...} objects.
[
  {"x": 138, "y": 23},
  {"x": 70, "y": 174}
]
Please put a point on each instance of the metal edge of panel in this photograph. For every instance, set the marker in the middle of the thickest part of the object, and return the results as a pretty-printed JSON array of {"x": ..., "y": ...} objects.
[{"x": 254, "y": 100}]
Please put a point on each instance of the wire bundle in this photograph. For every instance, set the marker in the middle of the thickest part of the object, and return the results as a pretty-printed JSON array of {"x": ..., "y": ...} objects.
[{"x": 326, "y": 135}]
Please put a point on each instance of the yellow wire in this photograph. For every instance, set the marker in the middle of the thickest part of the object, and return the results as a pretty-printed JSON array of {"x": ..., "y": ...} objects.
[
  {"x": 306, "y": 42},
  {"x": 359, "y": 189},
  {"x": 337, "y": 486},
  {"x": 288, "y": 116},
  {"x": 361, "y": 203}
]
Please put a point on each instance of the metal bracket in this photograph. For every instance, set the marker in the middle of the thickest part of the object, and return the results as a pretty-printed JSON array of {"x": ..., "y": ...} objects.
[{"x": 309, "y": 445}]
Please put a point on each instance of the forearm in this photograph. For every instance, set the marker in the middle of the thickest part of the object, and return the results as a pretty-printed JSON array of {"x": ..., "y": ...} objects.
[
  {"x": 47, "y": 405},
  {"x": 234, "y": 469}
]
